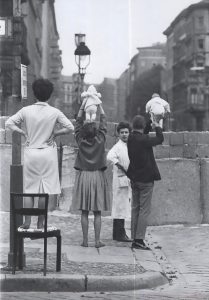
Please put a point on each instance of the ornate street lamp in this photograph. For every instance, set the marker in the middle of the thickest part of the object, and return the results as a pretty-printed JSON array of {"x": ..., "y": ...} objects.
[{"x": 82, "y": 59}]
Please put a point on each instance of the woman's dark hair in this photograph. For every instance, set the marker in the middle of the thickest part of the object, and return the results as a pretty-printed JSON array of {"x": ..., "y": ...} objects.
[
  {"x": 123, "y": 125},
  {"x": 89, "y": 130},
  {"x": 138, "y": 122},
  {"x": 42, "y": 89}
]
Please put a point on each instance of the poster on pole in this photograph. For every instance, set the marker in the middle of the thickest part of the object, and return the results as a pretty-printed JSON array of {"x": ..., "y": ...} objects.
[{"x": 23, "y": 81}]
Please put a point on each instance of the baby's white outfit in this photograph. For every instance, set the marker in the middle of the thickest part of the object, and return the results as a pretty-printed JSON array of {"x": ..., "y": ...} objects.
[
  {"x": 157, "y": 108},
  {"x": 91, "y": 99}
]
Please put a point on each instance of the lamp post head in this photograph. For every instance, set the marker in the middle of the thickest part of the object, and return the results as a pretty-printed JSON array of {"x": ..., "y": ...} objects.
[
  {"x": 79, "y": 37},
  {"x": 82, "y": 58},
  {"x": 82, "y": 50}
]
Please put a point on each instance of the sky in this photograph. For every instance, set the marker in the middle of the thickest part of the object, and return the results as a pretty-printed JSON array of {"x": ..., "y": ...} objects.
[{"x": 114, "y": 29}]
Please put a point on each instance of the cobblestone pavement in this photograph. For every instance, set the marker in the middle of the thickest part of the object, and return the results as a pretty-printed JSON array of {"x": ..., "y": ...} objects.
[
  {"x": 71, "y": 237},
  {"x": 181, "y": 252},
  {"x": 69, "y": 224}
]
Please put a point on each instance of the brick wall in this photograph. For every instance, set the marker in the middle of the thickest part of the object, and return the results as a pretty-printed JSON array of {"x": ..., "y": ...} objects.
[
  {"x": 176, "y": 144},
  {"x": 185, "y": 144}
]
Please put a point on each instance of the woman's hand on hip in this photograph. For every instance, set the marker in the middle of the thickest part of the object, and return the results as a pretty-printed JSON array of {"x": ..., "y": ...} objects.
[
  {"x": 51, "y": 140},
  {"x": 27, "y": 142}
]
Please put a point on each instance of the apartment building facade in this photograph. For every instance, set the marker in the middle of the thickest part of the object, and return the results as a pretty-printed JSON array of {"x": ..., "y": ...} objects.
[
  {"x": 187, "y": 69},
  {"x": 33, "y": 29},
  {"x": 145, "y": 59}
]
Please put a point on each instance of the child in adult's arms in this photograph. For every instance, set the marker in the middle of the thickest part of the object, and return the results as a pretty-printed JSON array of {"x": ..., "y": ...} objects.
[{"x": 91, "y": 100}]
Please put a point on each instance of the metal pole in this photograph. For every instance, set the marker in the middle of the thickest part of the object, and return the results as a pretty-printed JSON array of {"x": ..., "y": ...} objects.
[
  {"x": 16, "y": 186},
  {"x": 79, "y": 82},
  {"x": 82, "y": 81},
  {"x": 60, "y": 157},
  {"x": 16, "y": 169}
]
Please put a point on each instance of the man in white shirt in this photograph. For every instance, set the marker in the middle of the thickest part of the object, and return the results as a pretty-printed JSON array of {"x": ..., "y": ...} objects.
[{"x": 121, "y": 206}]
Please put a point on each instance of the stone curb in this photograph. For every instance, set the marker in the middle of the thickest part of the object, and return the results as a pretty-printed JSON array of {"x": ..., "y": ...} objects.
[{"x": 80, "y": 283}]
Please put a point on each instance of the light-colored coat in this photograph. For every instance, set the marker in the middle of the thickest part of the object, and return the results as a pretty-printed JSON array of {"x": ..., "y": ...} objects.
[
  {"x": 121, "y": 205},
  {"x": 40, "y": 159}
]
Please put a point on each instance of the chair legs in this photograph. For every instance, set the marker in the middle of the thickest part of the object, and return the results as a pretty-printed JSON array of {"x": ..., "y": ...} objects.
[
  {"x": 45, "y": 255},
  {"x": 58, "y": 261},
  {"x": 20, "y": 257},
  {"x": 18, "y": 243}
]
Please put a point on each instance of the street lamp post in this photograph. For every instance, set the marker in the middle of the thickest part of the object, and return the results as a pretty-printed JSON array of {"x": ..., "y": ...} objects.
[
  {"x": 11, "y": 49},
  {"x": 82, "y": 59}
]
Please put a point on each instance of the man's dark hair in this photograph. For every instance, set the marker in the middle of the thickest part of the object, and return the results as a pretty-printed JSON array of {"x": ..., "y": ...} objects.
[
  {"x": 123, "y": 125},
  {"x": 42, "y": 89},
  {"x": 138, "y": 122},
  {"x": 89, "y": 130}
]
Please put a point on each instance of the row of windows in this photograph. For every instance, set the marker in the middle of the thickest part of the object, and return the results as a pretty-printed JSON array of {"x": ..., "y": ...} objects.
[
  {"x": 68, "y": 87},
  {"x": 155, "y": 53},
  {"x": 68, "y": 99},
  {"x": 181, "y": 49},
  {"x": 196, "y": 98}
]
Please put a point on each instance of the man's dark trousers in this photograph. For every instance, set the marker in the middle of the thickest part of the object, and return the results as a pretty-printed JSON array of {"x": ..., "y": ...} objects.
[{"x": 141, "y": 207}]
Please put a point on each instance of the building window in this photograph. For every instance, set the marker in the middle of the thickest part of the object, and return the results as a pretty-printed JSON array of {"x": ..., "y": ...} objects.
[
  {"x": 201, "y": 99},
  {"x": 132, "y": 77},
  {"x": 201, "y": 44},
  {"x": 197, "y": 98},
  {"x": 201, "y": 21},
  {"x": 193, "y": 96},
  {"x": 66, "y": 98}
]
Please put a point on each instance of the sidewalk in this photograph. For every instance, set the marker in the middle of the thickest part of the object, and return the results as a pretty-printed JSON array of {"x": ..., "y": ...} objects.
[
  {"x": 113, "y": 267},
  {"x": 179, "y": 256}
]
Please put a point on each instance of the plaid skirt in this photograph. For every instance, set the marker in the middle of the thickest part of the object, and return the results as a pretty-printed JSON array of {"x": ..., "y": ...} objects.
[{"x": 91, "y": 191}]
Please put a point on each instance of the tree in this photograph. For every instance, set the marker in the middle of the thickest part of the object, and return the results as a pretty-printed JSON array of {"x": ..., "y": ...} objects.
[{"x": 147, "y": 83}]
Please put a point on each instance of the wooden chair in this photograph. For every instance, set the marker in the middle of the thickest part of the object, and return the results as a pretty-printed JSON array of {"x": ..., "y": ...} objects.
[{"x": 19, "y": 234}]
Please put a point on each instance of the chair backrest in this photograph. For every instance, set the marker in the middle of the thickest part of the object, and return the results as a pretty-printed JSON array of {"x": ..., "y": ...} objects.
[{"x": 17, "y": 210}]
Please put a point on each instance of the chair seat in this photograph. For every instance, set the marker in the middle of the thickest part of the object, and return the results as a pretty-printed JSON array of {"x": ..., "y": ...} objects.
[
  {"x": 50, "y": 228},
  {"x": 35, "y": 233}
]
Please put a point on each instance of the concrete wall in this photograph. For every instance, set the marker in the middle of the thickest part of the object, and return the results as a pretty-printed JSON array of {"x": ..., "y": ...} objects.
[
  {"x": 204, "y": 189},
  {"x": 176, "y": 198},
  {"x": 182, "y": 196}
]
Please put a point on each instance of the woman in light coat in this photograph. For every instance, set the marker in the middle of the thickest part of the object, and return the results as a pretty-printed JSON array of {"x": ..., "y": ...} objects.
[
  {"x": 121, "y": 205},
  {"x": 40, "y": 169}
]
